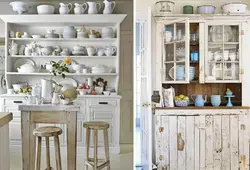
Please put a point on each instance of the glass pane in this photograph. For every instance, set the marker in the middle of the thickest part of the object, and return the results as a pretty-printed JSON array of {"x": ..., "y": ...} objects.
[
  {"x": 180, "y": 51},
  {"x": 180, "y": 32},
  {"x": 215, "y": 33},
  {"x": 231, "y": 71},
  {"x": 169, "y": 52},
  {"x": 231, "y": 33},
  {"x": 169, "y": 72},
  {"x": 169, "y": 33}
]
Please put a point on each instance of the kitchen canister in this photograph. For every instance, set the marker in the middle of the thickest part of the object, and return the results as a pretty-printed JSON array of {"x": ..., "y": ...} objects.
[{"x": 188, "y": 9}]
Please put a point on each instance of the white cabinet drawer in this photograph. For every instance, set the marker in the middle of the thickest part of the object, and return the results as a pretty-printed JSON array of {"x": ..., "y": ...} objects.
[
  {"x": 102, "y": 113},
  {"x": 14, "y": 101},
  {"x": 102, "y": 102}
]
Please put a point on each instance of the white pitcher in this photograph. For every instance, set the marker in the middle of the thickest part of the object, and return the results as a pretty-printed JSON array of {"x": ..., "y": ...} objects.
[
  {"x": 108, "y": 9},
  {"x": 93, "y": 7},
  {"x": 80, "y": 8},
  {"x": 65, "y": 8},
  {"x": 47, "y": 90},
  {"x": 110, "y": 50}
]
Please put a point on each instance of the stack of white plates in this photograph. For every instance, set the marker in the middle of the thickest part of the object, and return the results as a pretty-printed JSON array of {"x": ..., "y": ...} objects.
[{"x": 99, "y": 69}]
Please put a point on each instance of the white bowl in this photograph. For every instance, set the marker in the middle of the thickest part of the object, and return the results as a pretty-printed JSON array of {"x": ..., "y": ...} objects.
[
  {"x": 45, "y": 9},
  {"x": 16, "y": 87},
  {"x": 36, "y": 36},
  {"x": 107, "y": 30},
  {"x": 20, "y": 7},
  {"x": 106, "y": 93},
  {"x": 82, "y": 91}
]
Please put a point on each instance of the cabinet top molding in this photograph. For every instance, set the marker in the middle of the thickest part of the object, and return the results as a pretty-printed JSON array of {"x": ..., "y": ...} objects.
[
  {"x": 163, "y": 16},
  {"x": 56, "y": 18}
]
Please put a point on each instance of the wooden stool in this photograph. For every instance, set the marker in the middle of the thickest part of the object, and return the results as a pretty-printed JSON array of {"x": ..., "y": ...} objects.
[
  {"x": 96, "y": 125},
  {"x": 48, "y": 131}
]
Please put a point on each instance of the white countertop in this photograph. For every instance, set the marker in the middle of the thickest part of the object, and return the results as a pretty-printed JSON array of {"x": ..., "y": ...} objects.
[
  {"x": 49, "y": 107},
  {"x": 84, "y": 96}
]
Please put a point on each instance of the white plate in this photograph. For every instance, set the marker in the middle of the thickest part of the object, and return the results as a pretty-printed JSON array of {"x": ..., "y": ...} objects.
[
  {"x": 171, "y": 73},
  {"x": 68, "y": 81},
  {"x": 23, "y": 61}
]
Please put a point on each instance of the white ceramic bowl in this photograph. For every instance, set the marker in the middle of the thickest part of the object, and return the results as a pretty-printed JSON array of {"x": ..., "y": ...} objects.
[
  {"x": 106, "y": 93},
  {"x": 36, "y": 36},
  {"x": 20, "y": 7},
  {"x": 45, "y": 9},
  {"x": 16, "y": 87},
  {"x": 49, "y": 67},
  {"x": 78, "y": 48},
  {"x": 107, "y": 30}
]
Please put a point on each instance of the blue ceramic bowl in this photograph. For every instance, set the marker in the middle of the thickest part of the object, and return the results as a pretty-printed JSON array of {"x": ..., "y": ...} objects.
[{"x": 215, "y": 103}]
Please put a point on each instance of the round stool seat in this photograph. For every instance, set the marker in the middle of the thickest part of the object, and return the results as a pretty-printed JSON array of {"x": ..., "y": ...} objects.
[
  {"x": 47, "y": 131},
  {"x": 96, "y": 125}
]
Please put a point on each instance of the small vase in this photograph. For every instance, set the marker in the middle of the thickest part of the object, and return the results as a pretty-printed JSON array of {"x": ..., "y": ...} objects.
[{"x": 55, "y": 99}]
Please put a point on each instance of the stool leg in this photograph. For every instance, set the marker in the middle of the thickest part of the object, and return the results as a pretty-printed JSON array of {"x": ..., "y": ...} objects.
[
  {"x": 106, "y": 147},
  {"x": 38, "y": 153},
  {"x": 87, "y": 145},
  {"x": 58, "y": 154},
  {"x": 95, "y": 149},
  {"x": 47, "y": 153}
]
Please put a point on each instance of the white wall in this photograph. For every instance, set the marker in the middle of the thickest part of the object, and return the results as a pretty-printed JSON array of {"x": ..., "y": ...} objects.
[{"x": 126, "y": 60}]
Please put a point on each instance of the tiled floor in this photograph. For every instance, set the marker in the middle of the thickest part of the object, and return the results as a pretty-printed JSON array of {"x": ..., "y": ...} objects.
[{"x": 124, "y": 161}]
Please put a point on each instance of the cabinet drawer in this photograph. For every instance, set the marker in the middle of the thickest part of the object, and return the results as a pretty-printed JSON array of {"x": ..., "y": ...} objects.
[
  {"x": 14, "y": 101},
  {"x": 103, "y": 102},
  {"x": 102, "y": 115}
]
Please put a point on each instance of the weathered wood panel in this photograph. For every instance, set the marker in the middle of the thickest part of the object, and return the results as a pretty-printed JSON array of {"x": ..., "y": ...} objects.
[{"x": 208, "y": 142}]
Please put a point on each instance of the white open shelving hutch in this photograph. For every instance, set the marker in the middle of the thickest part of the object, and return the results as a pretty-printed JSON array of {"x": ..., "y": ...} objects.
[{"x": 93, "y": 107}]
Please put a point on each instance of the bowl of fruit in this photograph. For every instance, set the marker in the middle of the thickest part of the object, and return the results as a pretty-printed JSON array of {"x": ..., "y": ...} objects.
[
  {"x": 229, "y": 92},
  {"x": 83, "y": 89},
  {"x": 181, "y": 100}
]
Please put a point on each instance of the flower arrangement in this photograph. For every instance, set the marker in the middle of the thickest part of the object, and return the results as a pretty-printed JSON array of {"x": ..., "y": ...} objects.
[{"x": 60, "y": 67}]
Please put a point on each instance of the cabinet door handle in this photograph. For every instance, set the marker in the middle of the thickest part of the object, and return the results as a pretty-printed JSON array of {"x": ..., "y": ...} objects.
[
  {"x": 103, "y": 102},
  {"x": 17, "y": 101}
]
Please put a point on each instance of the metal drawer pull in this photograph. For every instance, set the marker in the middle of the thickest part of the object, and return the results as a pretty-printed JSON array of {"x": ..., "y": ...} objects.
[
  {"x": 103, "y": 102},
  {"x": 18, "y": 102}
]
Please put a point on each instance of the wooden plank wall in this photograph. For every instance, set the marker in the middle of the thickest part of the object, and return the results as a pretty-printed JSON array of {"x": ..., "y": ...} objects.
[
  {"x": 218, "y": 142},
  {"x": 210, "y": 142},
  {"x": 209, "y": 89}
]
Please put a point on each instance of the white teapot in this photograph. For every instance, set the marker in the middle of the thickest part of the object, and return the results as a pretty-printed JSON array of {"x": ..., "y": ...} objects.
[
  {"x": 108, "y": 9},
  {"x": 110, "y": 50},
  {"x": 65, "y": 8},
  {"x": 91, "y": 50},
  {"x": 80, "y": 8},
  {"x": 93, "y": 7}
]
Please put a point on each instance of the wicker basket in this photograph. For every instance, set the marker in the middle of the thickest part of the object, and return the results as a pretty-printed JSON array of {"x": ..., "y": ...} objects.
[{"x": 181, "y": 103}]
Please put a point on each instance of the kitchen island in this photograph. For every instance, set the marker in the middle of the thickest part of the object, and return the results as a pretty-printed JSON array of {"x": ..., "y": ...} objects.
[
  {"x": 5, "y": 118},
  {"x": 47, "y": 114},
  {"x": 202, "y": 137}
]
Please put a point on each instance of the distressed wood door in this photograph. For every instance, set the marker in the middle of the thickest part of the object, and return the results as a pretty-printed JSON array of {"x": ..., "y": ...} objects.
[
  {"x": 146, "y": 91},
  {"x": 206, "y": 142}
]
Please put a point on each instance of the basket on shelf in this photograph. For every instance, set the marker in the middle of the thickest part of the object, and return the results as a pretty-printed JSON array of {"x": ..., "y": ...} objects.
[{"x": 181, "y": 103}]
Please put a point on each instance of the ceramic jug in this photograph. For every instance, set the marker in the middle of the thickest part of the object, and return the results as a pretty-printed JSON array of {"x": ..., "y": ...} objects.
[
  {"x": 47, "y": 90},
  {"x": 90, "y": 81},
  {"x": 100, "y": 52},
  {"x": 109, "y": 50},
  {"x": 80, "y": 8},
  {"x": 13, "y": 48},
  {"x": 199, "y": 101},
  {"x": 93, "y": 7},
  {"x": 108, "y": 9},
  {"x": 65, "y": 8},
  {"x": 91, "y": 50}
]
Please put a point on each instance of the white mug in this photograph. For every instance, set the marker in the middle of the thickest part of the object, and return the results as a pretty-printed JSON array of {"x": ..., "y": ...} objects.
[
  {"x": 84, "y": 71},
  {"x": 10, "y": 91}
]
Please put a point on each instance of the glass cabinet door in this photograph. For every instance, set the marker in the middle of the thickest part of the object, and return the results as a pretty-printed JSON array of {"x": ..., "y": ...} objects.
[
  {"x": 175, "y": 58},
  {"x": 223, "y": 51}
]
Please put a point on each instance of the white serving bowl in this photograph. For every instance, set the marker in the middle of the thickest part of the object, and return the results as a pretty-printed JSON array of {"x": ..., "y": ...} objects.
[
  {"x": 36, "y": 36},
  {"x": 45, "y": 9},
  {"x": 107, "y": 30},
  {"x": 16, "y": 87},
  {"x": 20, "y": 7},
  {"x": 106, "y": 93},
  {"x": 83, "y": 92}
]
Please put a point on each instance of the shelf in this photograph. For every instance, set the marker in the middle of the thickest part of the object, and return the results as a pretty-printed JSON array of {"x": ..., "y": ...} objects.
[
  {"x": 223, "y": 61},
  {"x": 194, "y": 62},
  {"x": 194, "y": 81},
  {"x": 170, "y": 62},
  {"x": 64, "y": 39},
  {"x": 67, "y": 74},
  {"x": 72, "y": 56},
  {"x": 221, "y": 43},
  {"x": 175, "y": 42}
]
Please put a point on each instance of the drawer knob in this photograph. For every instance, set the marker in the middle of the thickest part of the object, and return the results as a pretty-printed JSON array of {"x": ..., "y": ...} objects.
[
  {"x": 18, "y": 101},
  {"x": 103, "y": 102}
]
